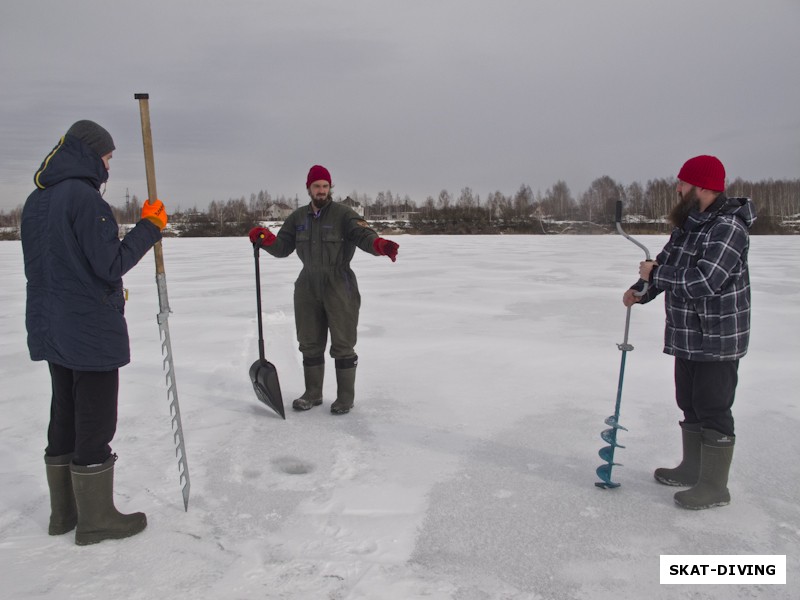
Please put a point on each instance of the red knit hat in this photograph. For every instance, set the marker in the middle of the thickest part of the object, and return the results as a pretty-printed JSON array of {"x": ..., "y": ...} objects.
[
  {"x": 317, "y": 173},
  {"x": 704, "y": 172}
]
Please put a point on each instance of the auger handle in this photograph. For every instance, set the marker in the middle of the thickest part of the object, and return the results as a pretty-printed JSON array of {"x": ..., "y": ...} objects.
[{"x": 618, "y": 221}]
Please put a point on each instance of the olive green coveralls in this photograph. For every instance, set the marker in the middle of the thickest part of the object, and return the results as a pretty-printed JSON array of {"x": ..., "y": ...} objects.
[{"x": 326, "y": 295}]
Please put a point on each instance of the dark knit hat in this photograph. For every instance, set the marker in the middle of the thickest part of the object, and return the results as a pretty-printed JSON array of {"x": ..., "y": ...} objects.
[
  {"x": 704, "y": 172},
  {"x": 317, "y": 173},
  {"x": 94, "y": 136}
]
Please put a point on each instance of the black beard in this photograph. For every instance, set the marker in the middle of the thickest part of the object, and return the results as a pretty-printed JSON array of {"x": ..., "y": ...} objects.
[
  {"x": 680, "y": 212},
  {"x": 320, "y": 203}
]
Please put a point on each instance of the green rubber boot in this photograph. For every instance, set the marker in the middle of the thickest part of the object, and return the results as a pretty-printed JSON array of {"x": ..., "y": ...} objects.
[
  {"x": 63, "y": 512},
  {"x": 314, "y": 375},
  {"x": 715, "y": 463},
  {"x": 688, "y": 472},
  {"x": 345, "y": 391},
  {"x": 98, "y": 518}
]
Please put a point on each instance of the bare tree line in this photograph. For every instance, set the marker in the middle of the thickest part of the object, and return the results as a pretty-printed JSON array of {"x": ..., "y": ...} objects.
[{"x": 776, "y": 201}]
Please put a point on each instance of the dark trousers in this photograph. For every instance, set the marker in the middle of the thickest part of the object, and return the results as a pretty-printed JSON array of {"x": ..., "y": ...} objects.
[
  {"x": 705, "y": 392},
  {"x": 83, "y": 414}
]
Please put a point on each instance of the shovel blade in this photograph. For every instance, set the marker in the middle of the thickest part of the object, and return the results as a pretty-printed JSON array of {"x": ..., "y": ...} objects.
[{"x": 264, "y": 376}]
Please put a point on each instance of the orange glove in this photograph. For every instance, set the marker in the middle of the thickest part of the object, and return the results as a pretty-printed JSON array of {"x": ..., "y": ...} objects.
[{"x": 155, "y": 212}]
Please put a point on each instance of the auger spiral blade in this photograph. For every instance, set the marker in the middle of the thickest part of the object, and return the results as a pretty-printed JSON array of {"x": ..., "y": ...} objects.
[
  {"x": 607, "y": 453},
  {"x": 604, "y": 473},
  {"x": 610, "y": 437},
  {"x": 612, "y": 421}
]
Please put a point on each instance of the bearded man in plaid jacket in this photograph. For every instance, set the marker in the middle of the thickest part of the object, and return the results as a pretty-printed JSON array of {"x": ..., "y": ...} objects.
[{"x": 704, "y": 275}]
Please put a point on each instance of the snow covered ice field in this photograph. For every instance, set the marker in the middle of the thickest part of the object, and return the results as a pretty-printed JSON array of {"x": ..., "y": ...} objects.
[{"x": 466, "y": 470}]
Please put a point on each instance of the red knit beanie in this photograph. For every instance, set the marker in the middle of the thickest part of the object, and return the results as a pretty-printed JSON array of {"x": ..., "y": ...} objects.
[
  {"x": 317, "y": 173},
  {"x": 704, "y": 172}
]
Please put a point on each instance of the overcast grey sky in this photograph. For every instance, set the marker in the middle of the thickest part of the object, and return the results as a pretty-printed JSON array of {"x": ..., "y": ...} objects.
[{"x": 411, "y": 96}]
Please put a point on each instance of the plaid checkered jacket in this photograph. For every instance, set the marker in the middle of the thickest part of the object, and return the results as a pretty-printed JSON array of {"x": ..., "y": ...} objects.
[{"x": 703, "y": 270}]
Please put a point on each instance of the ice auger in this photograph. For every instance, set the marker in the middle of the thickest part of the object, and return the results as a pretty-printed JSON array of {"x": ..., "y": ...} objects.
[{"x": 610, "y": 435}]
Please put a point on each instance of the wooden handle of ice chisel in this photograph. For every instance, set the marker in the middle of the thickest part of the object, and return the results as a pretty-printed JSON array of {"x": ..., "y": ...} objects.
[{"x": 149, "y": 166}]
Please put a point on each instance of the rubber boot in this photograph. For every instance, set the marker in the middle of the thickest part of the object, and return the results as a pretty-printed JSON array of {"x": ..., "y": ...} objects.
[
  {"x": 688, "y": 472},
  {"x": 715, "y": 463},
  {"x": 98, "y": 518},
  {"x": 345, "y": 390},
  {"x": 314, "y": 375},
  {"x": 63, "y": 512}
]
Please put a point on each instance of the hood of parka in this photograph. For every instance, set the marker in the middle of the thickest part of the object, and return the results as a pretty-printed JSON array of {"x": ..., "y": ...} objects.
[
  {"x": 71, "y": 159},
  {"x": 742, "y": 208}
]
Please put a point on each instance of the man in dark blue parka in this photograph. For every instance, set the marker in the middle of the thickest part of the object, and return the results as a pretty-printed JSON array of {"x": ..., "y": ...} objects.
[{"x": 74, "y": 263}]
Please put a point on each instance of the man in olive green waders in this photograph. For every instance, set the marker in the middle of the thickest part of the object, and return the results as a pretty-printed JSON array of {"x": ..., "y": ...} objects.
[{"x": 326, "y": 298}]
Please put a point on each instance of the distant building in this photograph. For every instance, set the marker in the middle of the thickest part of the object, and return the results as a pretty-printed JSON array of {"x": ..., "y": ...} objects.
[
  {"x": 355, "y": 205},
  {"x": 392, "y": 214},
  {"x": 278, "y": 211}
]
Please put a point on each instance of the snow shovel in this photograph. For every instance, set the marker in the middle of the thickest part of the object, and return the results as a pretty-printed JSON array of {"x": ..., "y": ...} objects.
[
  {"x": 610, "y": 435},
  {"x": 263, "y": 373}
]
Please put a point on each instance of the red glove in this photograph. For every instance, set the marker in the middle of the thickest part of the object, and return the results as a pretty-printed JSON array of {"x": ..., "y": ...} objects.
[
  {"x": 261, "y": 236},
  {"x": 386, "y": 248},
  {"x": 154, "y": 212}
]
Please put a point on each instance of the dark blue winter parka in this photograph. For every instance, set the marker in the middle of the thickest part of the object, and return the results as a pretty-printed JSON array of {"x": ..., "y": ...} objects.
[
  {"x": 703, "y": 270},
  {"x": 74, "y": 263}
]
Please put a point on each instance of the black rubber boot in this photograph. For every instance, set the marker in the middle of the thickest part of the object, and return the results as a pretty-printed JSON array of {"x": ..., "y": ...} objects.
[
  {"x": 345, "y": 390},
  {"x": 688, "y": 472},
  {"x": 314, "y": 375},
  {"x": 715, "y": 463},
  {"x": 63, "y": 512},
  {"x": 98, "y": 518}
]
